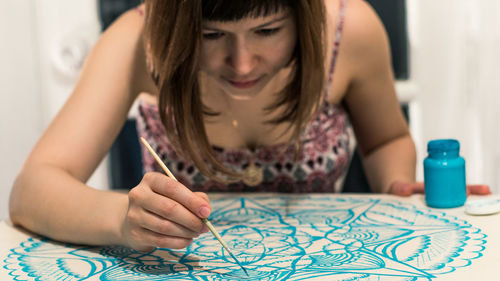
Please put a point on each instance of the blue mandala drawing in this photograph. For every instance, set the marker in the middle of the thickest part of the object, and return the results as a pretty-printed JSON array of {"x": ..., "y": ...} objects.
[{"x": 285, "y": 238}]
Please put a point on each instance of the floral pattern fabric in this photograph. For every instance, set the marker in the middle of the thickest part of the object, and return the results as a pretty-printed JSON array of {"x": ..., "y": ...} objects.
[
  {"x": 322, "y": 161},
  {"x": 320, "y": 165}
]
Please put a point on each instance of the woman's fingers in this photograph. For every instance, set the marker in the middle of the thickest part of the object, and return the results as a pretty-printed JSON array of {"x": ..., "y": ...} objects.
[
  {"x": 163, "y": 213},
  {"x": 162, "y": 226},
  {"x": 418, "y": 187},
  {"x": 173, "y": 201},
  {"x": 176, "y": 191},
  {"x": 150, "y": 239},
  {"x": 478, "y": 189},
  {"x": 203, "y": 195},
  {"x": 407, "y": 189},
  {"x": 400, "y": 189},
  {"x": 169, "y": 209}
]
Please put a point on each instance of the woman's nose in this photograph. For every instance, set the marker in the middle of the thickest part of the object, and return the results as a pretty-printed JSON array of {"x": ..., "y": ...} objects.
[{"x": 241, "y": 59}]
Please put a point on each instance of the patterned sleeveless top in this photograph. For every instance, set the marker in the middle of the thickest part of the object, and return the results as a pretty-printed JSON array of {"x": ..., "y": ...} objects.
[{"x": 325, "y": 149}]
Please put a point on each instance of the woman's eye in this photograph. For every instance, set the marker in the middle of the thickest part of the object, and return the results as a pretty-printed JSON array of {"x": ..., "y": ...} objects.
[
  {"x": 212, "y": 35},
  {"x": 268, "y": 31}
]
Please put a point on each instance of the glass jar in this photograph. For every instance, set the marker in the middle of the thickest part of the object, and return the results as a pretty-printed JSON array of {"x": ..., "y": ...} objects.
[{"x": 444, "y": 174}]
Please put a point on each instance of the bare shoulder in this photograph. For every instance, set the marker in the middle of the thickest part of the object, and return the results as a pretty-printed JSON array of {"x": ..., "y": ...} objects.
[
  {"x": 120, "y": 49},
  {"x": 363, "y": 47},
  {"x": 370, "y": 98},
  {"x": 131, "y": 22},
  {"x": 125, "y": 31},
  {"x": 364, "y": 37},
  {"x": 357, "y": 13}
]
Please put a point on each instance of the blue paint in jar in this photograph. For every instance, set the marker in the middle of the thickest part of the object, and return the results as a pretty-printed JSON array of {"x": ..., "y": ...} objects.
[{"x": 444, "y": 174}]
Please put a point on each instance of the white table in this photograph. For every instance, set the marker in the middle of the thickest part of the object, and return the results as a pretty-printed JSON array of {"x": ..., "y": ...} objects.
[{"x": 286, "y": 237}]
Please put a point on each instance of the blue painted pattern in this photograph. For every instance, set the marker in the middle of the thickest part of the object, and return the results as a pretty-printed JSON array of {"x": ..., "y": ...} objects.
[{"x": 278, "y": 238}]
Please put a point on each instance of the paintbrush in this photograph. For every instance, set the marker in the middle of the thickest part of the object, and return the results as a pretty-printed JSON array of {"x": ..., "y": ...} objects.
[{"x": 205, "y": 221}]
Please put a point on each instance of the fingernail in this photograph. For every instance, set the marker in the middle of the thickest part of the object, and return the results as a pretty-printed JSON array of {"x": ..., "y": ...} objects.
[{"x": 204, "y": 212}]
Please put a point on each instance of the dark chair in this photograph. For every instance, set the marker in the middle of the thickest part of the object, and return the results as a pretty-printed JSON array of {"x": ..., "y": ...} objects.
[
  {"x": 125, "y": 154},
  {"x": 125, "y": 159}
]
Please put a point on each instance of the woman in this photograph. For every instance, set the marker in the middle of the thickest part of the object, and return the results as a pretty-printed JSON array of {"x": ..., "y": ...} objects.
[{"x": 248, "y": 100}]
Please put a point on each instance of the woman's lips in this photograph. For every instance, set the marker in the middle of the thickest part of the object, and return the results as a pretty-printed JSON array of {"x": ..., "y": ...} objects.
[{"x": 243, "y": 84}]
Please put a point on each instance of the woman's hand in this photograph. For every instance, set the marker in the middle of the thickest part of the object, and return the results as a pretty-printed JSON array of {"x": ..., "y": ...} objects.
[
  {"x": 163, "y": 213},
  {"x": 407, "y": 189}
]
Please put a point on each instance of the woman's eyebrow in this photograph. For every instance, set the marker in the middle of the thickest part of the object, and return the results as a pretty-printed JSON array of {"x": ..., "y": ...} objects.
[{"x": 257, "y": 27}]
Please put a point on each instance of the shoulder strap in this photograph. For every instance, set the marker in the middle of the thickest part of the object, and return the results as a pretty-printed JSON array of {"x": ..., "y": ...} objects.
[
  {"x": 139, "y": 10},
  {"x": 338, "y": 36}
]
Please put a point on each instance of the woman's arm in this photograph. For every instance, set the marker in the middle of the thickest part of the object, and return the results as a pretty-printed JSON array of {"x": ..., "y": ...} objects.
[
  {"x": 49, "y": 195},
  {"x": 384, "y": 140}
]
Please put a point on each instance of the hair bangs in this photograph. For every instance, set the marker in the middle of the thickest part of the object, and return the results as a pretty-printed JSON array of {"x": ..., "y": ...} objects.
[{"x": 232, "y": 10}]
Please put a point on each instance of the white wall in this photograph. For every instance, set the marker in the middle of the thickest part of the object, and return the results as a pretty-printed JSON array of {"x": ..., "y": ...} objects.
[
  {"x": 66, "y": 31},
  {"x": 35, "y": 36},
  {"x": 455, "y": 63},
  {"x": 20, "y": 113}
]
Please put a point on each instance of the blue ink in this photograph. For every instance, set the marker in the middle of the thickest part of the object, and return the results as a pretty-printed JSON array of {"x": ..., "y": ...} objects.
[
  {"x": 286, "y": 238},
  {"x": 444, "y": 174}
]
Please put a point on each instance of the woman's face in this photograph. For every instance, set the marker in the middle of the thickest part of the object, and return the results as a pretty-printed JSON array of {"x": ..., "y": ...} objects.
[{"x": 243, "y": 56}]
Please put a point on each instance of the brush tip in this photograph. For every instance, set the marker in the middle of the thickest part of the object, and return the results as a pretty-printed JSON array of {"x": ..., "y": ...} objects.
[{"x": 245, "y": 271}]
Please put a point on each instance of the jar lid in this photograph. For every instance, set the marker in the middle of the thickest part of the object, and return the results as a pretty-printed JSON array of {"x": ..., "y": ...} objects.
[{"x": 443, "y": 145}]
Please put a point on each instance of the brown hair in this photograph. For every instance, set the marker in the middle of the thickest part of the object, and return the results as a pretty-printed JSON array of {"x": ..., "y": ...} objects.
[{"x": 173, "y": 36}]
